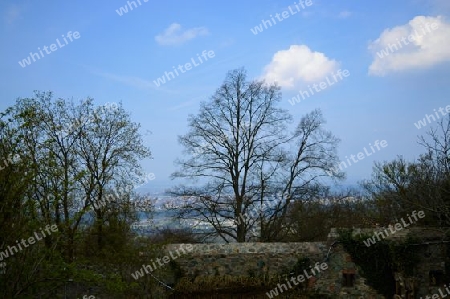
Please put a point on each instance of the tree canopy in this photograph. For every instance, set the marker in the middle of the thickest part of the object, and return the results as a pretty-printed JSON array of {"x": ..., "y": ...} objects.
[{"x": 240, "y": 143}]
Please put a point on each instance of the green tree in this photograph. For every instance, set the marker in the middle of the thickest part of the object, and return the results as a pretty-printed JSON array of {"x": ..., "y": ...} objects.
[{"x": 72, "y": 156}]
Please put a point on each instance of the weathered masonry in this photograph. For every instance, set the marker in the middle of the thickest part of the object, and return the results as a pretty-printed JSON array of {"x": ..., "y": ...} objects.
[{"x": 343, "y": 279}]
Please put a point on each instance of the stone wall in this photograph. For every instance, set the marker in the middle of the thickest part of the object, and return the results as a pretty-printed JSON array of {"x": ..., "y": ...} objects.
[
  {"x": 271, "y": 259},
  {"x": 267, "y": 259},
  {"x": 246, "y": 259},
  {"x": 331, "y": 281}
]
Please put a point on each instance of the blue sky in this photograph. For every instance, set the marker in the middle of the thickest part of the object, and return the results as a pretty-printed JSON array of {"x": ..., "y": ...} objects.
[{"x": 118, "y": 58}]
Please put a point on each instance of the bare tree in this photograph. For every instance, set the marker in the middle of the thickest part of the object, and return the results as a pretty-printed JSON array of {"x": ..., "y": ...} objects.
[
  {"x": 310, "y": 155},
  {"x": 400, "y": 186},
  {"x": 438, "y": 146},
  {"x": 240, "y": 147}
]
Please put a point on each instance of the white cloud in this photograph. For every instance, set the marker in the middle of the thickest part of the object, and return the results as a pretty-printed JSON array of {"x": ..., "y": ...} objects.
[
  {"x": 297, "y": 65},
  {"x": 344, "y": 14},
  {"x": 416, "y": 45},
  {"x": 175, "y": 35}
]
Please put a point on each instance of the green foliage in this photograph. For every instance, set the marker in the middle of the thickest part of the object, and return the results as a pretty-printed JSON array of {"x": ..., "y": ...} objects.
[
  {"x": 71, "y": 156},
  {"x": 405, "y": 256},
  {"x": 379, "y": 261},
  {"x": 303, "y": 263},
  {"x": 177, "y": 271}
]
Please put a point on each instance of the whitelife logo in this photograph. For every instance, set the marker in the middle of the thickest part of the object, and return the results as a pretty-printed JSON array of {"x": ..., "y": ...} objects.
[
  {"x": 166, "y": 259},
  {"x": 336, "y": 77},
  {"x": 391, "y": 48},
  {"x": 11, "y": 159},
  {"x": 428, "y": 117},
  {"x": 71, "y": 36},
  {"x": 436, "y": 295},
  {"x": 280, "y": 17},
  {"x": 31, "y": 241},
  {"x": 300, "y": 278},
  {"x": 398, "y": 227},
  {"x": 360, "y": 156},
  {"x": 187, "y": 66},
  {"x": 124, "y": 9}
]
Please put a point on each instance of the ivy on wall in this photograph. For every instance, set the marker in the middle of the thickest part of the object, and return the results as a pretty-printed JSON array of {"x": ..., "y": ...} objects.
[{"x": 379, "y": 261}]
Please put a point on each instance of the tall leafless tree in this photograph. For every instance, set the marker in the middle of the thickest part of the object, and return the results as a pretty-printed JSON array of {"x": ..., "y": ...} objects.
[{"x": 239, "y": 146}]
